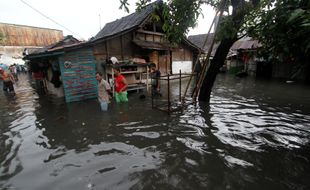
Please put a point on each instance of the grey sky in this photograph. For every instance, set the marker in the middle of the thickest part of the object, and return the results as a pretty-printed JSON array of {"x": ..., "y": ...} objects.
[{"x": 79, "y": 16}]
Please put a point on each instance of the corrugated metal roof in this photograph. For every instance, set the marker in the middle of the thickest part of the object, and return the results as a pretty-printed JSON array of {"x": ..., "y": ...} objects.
[
  {"x": 126, "y": 23},
  {"x": 246, "y": 44},
  {"x": 199, "y": 40},
  {"x": 68, "y": 41}
]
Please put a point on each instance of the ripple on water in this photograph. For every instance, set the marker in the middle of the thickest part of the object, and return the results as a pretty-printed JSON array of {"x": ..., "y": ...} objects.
[
  {"x": 230, "y": 147},
  {"x": 17, "y": 127},
  {"x": 251, "y": 127}
]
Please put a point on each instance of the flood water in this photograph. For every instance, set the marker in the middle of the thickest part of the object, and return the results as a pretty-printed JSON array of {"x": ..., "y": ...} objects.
[{"x": 254, "y": 135}]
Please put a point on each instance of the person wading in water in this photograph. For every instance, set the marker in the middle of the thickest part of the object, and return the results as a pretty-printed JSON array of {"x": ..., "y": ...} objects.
[
  {"x": 8, "y": 80},
  {"x": 120, "y": 86}
]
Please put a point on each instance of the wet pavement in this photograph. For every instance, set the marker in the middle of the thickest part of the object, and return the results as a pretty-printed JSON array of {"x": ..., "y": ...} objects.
[{"x": 254, "y": 135}]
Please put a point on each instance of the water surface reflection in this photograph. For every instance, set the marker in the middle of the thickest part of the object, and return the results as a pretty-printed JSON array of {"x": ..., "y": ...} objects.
[{"x": 247, "y": 138}]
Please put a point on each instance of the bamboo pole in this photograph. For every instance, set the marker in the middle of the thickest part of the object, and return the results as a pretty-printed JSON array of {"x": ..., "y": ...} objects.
[
  {"x": 204, "y": 69},
  {"x": 203, "y": 46},
  {"x": 180, "y": 83}
]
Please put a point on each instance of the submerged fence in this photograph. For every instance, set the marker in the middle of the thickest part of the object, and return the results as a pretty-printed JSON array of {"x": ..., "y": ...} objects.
[{"x": 170, "y": 100}]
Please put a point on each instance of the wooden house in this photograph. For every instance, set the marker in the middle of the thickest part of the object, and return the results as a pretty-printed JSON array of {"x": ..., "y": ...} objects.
[
  {"x": 131, "y": 38},
  {"x": 138, "y": 35},
  {"x": 69, "y": 69},
  {"x": 244, "y": 56},
  {"x": 241, "y": 57}
]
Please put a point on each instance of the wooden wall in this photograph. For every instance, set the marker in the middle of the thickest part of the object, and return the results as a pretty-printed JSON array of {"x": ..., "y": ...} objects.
[
  {"x": 19, "y": 35},
  {"x": 120, "y": 47},
  {"x": 182, "y": 54},
  {"x": 123, "y": 48}
]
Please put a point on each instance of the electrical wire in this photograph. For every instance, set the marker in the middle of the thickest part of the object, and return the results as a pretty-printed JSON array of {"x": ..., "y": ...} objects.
[{"x": 49, "y": 18}]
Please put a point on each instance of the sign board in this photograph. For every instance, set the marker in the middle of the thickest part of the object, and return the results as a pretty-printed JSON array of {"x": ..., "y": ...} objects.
[{"x": 78, "y": 71}]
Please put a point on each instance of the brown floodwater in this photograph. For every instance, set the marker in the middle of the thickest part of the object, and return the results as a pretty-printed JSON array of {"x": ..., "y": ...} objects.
[{"x": 254, "y": 134}]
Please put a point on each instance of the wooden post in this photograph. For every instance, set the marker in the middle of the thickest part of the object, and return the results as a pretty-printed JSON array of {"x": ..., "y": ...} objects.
[
  {"x": 152, "y": 95},
  {"x": 169, "y": 103},
  {"x": 113, "y": 82},
  {"x": 147, "y": 78},
  {"x": 180, "y": 83}
]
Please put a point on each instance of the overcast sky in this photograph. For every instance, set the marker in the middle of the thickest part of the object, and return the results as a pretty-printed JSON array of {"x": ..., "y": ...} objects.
[{"x": 79, "y": 16}]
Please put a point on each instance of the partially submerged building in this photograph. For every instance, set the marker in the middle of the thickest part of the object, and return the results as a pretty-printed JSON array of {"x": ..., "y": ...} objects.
[
  {"x": 139, "y": 35},
  {"x": 134, "y": 40},
  {"x": 241, "y": 57},
  {"x": 68, "y": 68}
]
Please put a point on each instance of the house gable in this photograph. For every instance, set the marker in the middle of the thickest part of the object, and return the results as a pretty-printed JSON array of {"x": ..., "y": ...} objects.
[
  {"x": 125, "y": 24},
  {"x": 140, "y": 35}
]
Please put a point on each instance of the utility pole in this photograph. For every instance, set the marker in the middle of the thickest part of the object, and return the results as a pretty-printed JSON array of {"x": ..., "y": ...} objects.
[{"x": 100, "y": 21}]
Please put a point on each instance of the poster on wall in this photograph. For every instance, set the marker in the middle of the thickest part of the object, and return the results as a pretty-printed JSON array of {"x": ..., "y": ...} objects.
[{"x": 78, "y": 70}]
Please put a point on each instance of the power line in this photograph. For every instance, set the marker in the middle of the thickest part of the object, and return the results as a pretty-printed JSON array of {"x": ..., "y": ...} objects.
[{"x": 49, "y": 18}]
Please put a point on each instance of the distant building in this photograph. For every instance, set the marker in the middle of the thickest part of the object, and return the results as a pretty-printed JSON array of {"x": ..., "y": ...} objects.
[
  {"x": 15, "y": 38},
  {"x": 200, "y": 41},
  {"x": 241, "y": 57}
]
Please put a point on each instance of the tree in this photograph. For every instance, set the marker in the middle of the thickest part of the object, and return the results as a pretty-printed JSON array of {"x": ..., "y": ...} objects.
[
  {"x": 229, "y": 32},
  {"x": 179, "y": 15},
  {"x": 284, "y": 31}
]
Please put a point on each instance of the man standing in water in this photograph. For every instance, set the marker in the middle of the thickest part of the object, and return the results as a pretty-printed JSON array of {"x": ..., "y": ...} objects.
[
  {"x": 155, "y": 76},
  {"x": 104, "y": 90},
  {"x": 8, "y": 81},
  {"x": 120, "y": 86}
]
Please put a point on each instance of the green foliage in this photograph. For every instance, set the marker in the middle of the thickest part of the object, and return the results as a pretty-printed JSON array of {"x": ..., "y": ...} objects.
[
  {"x": 226, "y": 30},
  {"x": 124, "y": 5},
  {"x": 282, "y": 26},
  {"x": 177, "y": 15},
  {"x": 284, "y": 30}
]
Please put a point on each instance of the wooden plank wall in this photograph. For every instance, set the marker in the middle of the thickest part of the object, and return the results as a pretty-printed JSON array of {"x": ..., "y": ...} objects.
[
  {"x": 182, "y": 54},
  {"x": 120, "y": 47},
  {"x": 78, "y": 70},
  {"x": 19, "y": 35}
]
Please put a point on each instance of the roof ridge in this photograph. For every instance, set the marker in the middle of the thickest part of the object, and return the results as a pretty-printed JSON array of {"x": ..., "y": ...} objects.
[{"x": 126, "y": 23}]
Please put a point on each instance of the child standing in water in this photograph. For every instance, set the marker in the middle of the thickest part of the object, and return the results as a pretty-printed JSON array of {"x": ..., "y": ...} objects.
[{"x": 120, "y": 86}]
